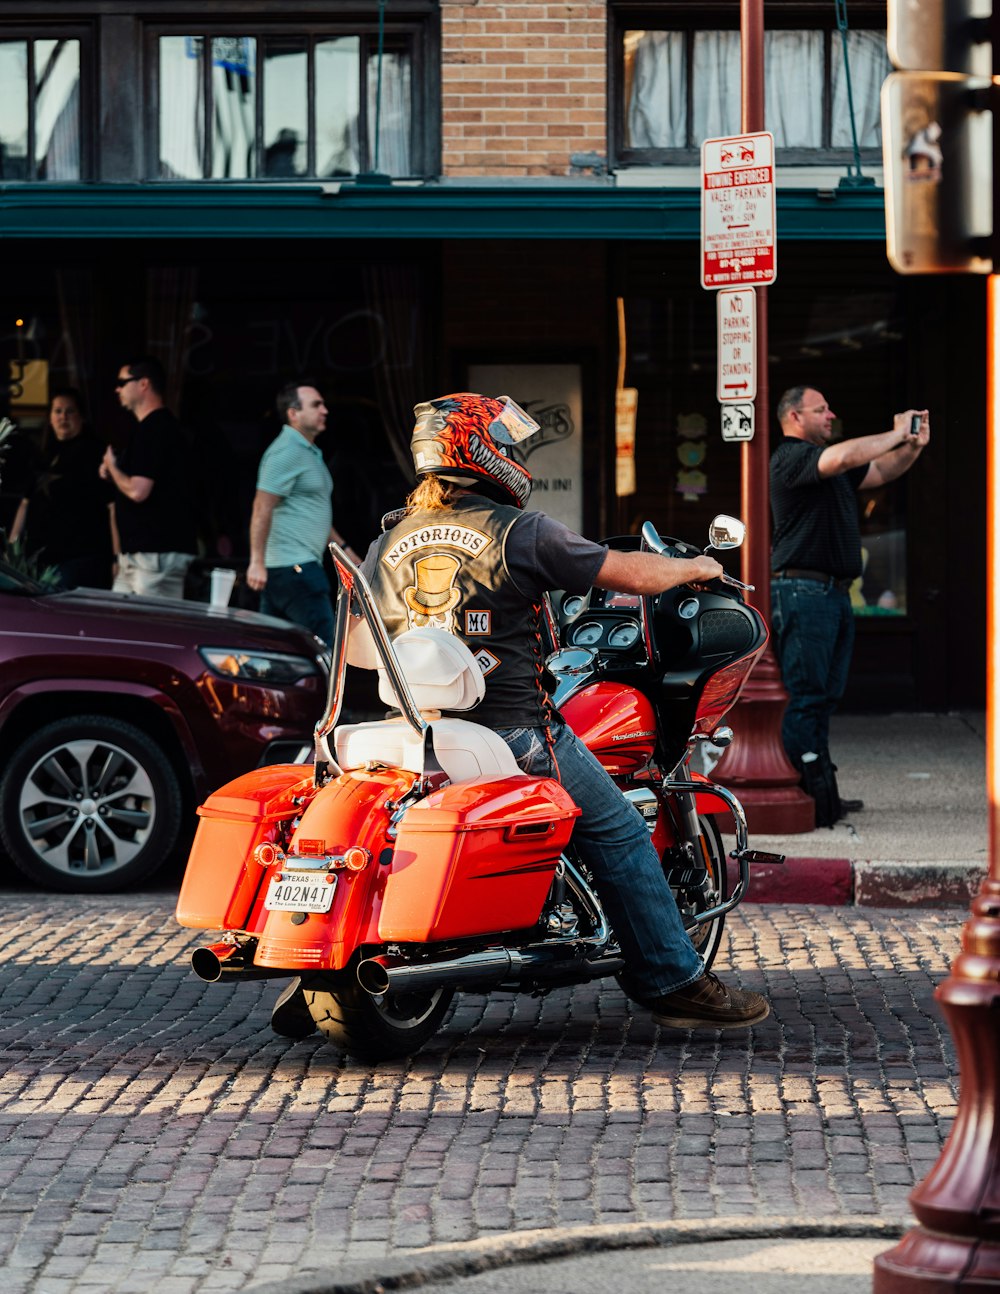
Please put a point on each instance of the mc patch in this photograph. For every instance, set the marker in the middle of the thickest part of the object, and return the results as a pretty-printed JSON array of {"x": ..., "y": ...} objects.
[{"x": 478, "y": 623}]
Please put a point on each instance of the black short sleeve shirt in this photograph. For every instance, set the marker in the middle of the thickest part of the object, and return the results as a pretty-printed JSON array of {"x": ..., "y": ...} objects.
[
  {"x": 816, "y": 523},
  {"x": 164, "y": 521}
]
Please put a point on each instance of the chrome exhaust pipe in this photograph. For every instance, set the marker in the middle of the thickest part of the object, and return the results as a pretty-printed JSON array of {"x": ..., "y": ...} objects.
[
  {"x": 228, "y": 961},
  {"x": 378, "y": 975}
]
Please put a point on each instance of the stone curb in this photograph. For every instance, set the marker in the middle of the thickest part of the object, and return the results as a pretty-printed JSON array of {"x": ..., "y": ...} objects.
[
  {"x": 833, "y": 882},
  {"x": 410, "y": 1269}
]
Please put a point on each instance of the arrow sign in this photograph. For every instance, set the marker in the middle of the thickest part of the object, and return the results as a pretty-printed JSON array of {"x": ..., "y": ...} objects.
[{"x": 737, "y": 345}]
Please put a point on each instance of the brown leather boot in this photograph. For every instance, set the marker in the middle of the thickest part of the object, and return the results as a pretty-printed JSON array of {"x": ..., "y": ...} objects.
[{"x": 709, "y": 1004}]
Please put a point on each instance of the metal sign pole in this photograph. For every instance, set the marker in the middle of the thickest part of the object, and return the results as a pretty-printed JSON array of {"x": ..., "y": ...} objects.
[{"x": 755, "y": 765}]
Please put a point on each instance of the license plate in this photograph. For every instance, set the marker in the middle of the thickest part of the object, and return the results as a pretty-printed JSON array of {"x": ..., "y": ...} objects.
[{"x": 299, "y": 894}]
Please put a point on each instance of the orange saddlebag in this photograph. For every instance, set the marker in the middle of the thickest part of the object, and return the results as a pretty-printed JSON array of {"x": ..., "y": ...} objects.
[
  {"x": 475, "y": 858},
  {"x": 222, "y": 879}
]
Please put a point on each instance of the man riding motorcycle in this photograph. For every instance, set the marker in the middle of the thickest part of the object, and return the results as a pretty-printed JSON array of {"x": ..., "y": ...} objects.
[{"x": 464, "y": 556}]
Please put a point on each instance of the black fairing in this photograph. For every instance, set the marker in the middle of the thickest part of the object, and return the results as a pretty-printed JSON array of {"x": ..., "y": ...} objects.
[{"x": 695, "y": 632}]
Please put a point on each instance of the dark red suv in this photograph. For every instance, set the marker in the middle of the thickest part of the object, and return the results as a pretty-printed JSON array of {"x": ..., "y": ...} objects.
[{"x": 119, "y": 714}]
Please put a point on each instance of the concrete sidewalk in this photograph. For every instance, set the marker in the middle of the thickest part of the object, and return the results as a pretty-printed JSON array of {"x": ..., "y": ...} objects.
[{"x": 921, "y": 839}]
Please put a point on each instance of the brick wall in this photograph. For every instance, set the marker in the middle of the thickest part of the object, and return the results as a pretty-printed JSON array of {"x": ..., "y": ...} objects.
[{"x": 523, "y": 86}]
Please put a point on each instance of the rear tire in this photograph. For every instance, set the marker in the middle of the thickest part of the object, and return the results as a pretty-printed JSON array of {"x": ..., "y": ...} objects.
[
  {"x": 370, "y": 1028},
  {"x": 711, "y": 891}
]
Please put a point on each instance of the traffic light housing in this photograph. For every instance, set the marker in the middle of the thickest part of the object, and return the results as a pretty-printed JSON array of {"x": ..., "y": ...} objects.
[{"x": 937, "y": 136}]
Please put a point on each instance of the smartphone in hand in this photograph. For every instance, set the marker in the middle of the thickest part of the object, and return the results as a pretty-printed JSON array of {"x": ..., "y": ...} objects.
[{"x": 915, "y": 422}]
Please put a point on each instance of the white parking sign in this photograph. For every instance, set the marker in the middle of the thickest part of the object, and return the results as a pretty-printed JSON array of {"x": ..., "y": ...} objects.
[{"x": 737, "y": 211}]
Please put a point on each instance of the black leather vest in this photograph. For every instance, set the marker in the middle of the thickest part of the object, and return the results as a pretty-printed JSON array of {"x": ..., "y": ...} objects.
[{"x": 447, "y": 569}]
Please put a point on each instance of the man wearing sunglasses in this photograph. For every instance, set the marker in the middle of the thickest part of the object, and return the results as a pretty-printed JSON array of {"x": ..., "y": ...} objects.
[
  {"x": 816, "y": 558},
  {"x": 153, "y": 514}
]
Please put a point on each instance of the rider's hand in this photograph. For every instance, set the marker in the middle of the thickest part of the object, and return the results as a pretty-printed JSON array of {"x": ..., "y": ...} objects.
[{"x": 704, "y": 568}]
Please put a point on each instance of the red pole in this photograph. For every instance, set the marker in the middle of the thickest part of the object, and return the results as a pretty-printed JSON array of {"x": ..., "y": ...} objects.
[
  {"x": 755, "y": 766},
  {"x": 957, "y": 1246}
]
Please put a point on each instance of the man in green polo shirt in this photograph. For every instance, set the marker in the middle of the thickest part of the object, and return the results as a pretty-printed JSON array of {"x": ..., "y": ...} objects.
[{"x": 292, "y": 519}]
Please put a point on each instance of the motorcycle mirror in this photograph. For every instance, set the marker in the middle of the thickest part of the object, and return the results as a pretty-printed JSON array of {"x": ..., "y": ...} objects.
[
  {"x": 726, "y": 532},
  {"x": 571, "y": 660}
]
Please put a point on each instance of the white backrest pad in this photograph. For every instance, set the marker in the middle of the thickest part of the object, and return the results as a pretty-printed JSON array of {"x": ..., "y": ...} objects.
[
  {"x": 464, "y": 750},
  {"x": 441, "y": 671},
  {"x": 361, "y": 650}
]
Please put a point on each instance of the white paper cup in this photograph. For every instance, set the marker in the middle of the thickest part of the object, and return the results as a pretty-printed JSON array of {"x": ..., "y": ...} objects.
[{"x": 223, "y": 582}]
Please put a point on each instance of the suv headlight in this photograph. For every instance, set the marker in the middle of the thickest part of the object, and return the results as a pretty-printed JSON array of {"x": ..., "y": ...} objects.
[{"x": 269, "y": 668}]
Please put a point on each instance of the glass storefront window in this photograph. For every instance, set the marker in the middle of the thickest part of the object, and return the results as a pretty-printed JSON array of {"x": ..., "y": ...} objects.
[
  {"x": 337, "y": 97},
  {"x": 682, "y": 86},
  {"x": 14, "y": 110},
  {"x": 40, "y": 110},
  {"x": 836, "y": 324},
  {"x": 394, "y": 126},
  {"x": 234, "y": 107},
  {"x": 182, "y": 139},
  {"x": 57, "y": 109},
  {"x": 284, "y": 106}
]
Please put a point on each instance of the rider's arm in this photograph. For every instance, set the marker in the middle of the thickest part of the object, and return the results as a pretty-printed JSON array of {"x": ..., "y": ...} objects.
[{"x": 653, "y": 572}]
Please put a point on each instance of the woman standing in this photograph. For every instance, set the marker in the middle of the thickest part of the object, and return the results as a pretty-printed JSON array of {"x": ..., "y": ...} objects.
[{"x": 65, "y": 518}]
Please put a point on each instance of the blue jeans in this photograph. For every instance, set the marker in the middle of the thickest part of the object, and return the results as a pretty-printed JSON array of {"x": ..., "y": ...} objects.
[
  {"x": 301, "y": 594},
  {"x": 813, "y": 627},
  {"x": 614, "y": 843}
]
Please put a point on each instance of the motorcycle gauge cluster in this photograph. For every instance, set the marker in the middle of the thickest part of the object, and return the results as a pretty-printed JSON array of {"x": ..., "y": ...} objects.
[
  {"x": 589, "y": 634},
  {"x": 624, "y": 635},
  {"x": 617, "y": 635},
  {"x": 572, "y": 604}
]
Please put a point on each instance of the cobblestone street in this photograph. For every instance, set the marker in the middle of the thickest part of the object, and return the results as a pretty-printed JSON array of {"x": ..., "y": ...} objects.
[{"x": 156, "y": 1134}]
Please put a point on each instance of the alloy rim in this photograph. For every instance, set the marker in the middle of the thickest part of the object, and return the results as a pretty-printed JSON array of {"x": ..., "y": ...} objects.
[{"x": 87, "y": 807}]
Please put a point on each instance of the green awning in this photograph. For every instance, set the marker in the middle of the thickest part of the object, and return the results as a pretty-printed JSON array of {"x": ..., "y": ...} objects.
[{"x": 441, "y": 211}]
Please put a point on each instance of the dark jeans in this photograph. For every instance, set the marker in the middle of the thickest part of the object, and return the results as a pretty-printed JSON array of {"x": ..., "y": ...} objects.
[
  {"x": 301, "y": 594},
  {"x": 813, "y": 627},
  {"x": 614, "y": 842}
]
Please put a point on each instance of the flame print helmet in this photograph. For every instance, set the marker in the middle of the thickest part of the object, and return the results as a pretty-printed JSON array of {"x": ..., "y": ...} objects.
[{"x": 465, "y": 438}]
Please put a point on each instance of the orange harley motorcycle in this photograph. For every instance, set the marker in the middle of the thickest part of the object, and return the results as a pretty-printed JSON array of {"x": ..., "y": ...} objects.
[{"x": 415, "y": 858}]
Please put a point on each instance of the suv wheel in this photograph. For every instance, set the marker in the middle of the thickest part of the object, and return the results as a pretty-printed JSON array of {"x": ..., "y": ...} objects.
[{"x": 89, "y": 804}]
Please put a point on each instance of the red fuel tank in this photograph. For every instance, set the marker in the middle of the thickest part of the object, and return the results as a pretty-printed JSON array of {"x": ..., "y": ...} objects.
[{"x": 616, "y": 723}]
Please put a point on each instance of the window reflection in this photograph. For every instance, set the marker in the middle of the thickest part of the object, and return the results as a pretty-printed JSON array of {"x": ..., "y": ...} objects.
[
  {"x": 57, "y": 109},
  {"x": 286, "y": 106},
  {"x": 338, "y": 94},
  {"x": 182, "y": 111},
  {"x": 394, "y": 117},
  {"x": 14, "y": 110},
  {"x": 234, "y": 107},
  {"x": 316, "y": 96}
]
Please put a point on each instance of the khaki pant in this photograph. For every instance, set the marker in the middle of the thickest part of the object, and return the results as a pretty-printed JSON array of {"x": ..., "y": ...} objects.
[{"x": 158, "y": 575}]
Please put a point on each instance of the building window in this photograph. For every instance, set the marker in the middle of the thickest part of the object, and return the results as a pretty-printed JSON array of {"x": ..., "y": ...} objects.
[
  {"x": 678, "y": 85},
  {"x": 284, "y": 106},
  {"x": 40, "y": 109}
]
